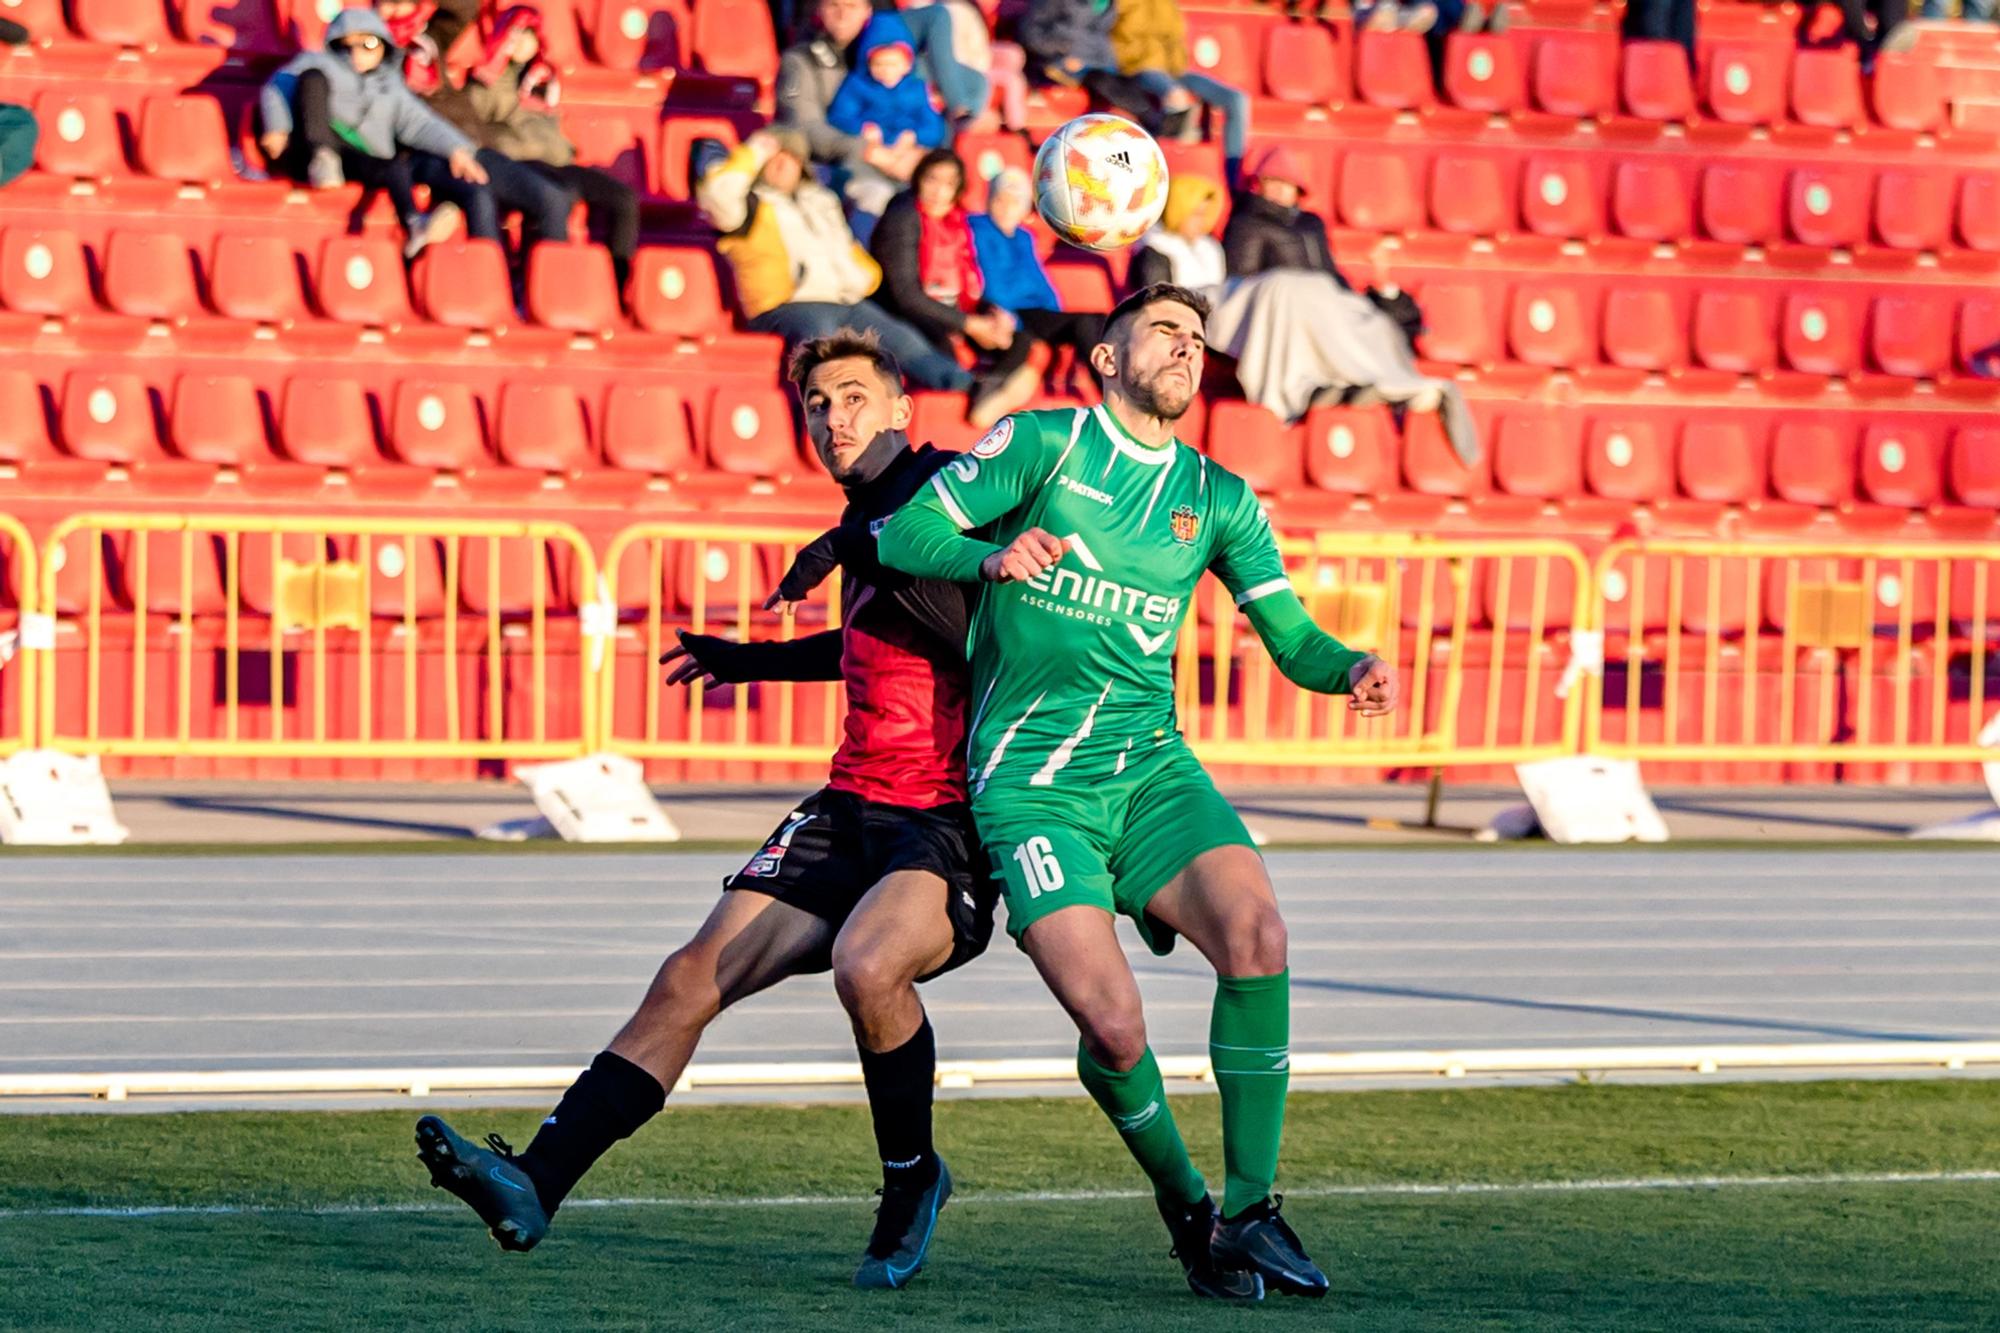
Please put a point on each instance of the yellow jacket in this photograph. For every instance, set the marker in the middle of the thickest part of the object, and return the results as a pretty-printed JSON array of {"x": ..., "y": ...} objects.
[
  {"x": 783, "y": 247},
  {"x": 1150, "y": 34}
]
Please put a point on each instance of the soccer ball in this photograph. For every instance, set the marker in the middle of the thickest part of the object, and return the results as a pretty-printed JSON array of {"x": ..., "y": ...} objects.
[{"x": 1100, "y": 182}]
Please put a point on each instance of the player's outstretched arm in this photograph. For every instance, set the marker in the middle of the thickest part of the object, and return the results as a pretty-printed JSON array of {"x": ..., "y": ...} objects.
[
  {"x": 926, "y": 537},
  {"x": 1312, "y": 659},
  {"x": 719, "y": 661}
]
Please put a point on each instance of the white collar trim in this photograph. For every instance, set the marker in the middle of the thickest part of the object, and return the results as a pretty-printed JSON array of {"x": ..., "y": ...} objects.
[{"x": 1128, "y": 446}]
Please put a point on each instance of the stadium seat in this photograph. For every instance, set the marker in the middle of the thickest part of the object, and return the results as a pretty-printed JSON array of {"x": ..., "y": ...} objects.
[
  {"x": 1652, "y": 200},
  {"x": 987, "y": 155},
  {"x": 1219, "y": 47},
  {"x": 42, "y": 272},
  {"x": 217, "y": 419},
  {"x": 1979, "y": 211},
  {"x": 1576, "y": 73},
  {"x": 1537, "y": 454},
  {"x": 609, "y": 141},
  {"x": 24, "y": 423},
  {"x": 150, "y": 275},
  {"x": 435, "y": 424},
  {"x": 464, "y": 285},
  {"x": 1721, "y": 460},
  {"x": 542, "y": 428},
  {"x": 678, "y": 134},
  {"x": 1828, "y": 207},
  {"x": 140, "y": 23},
  {"x": 1746, "y": 82},
  {"x": 1901, "y": 465},
  {"x": 1254, "y": 444},
  {"x": 1483, "y": 72},
  {"x": 1461, "y": 323},
  {"x": 107, "y": 417},
  {"x": 643, "y": 35},
  {"x": 1393, "y": 70},
  {"x": 325, "y": 421},
  {"x": 1973, "y": 466},
  {"x": 1547, "y": 325},
  {"x": 1643, "y": 329},
  {"x": 1083, "y": 286},
  {"x": 1821, "y": 334},
  {"x": 674, "y": 290},
  {"x": 1655, "y": 81},
  {"x": 1351, "y": 451},
  {"x": 1812, "y": 462},
  {"x": 1979, "y": 336},
  {"x": 750, "y": 431},
  {"x": 1826, "y": 88},
  {"x": 1379, "y": 191},
  {"x": 184, "y": 139},
  {"x": 79, "y": 136},
  {"x": 1560, "y": 197},
  {"x": 1913, "y": 208},
  {"x": 243, "y": 27},
  {"x": 733, "y": 38},
  {"x": 1733, "y": 331},
  {"x": 571, "y": 287},
  {"x": 1911, "y": 335},
  {"x": 1469, "y": 196},
  {"x": 256, "y": 278},
  {"x": 1302, "y": 63},
  {"x": 1430, "y": 467},
  {"x": 1739, "y": 202},
  {"x": 1905, "y": 93},
  {"x": 1627, "y": 458},
  {"x": 360, "y": 280},
  {"x": 646, "y": 430}
]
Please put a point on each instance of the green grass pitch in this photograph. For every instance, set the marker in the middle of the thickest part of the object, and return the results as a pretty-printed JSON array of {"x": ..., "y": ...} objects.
[{"x": 324, "y": 1220}]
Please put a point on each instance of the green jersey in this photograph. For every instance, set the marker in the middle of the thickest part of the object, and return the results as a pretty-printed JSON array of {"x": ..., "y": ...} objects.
[{"x": 1073, "y": 669}]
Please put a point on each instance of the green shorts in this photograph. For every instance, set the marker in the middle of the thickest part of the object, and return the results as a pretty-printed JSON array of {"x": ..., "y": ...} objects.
[{"x": 1112, "y": 843}]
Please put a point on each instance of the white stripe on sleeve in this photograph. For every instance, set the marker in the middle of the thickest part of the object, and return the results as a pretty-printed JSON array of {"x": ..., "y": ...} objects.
[
  {"x": 1249, "y": 595},
  {"x": 951, "y": 508}
]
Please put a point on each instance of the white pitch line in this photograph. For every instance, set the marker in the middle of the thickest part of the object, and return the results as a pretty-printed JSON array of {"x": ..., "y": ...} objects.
[{"x": 1443, "y": 1189}]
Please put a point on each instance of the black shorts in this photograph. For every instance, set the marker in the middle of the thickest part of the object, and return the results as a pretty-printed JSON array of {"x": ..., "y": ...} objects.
[{"x": 835, "y": 846}]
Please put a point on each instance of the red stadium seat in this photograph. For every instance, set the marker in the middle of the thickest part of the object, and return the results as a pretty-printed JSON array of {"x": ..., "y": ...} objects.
[
  {"x": 1906, "y": 93},
  {"x": 1302, "y": 63},
  {"x": 1547, "y": 325},
  {"x": 150, "y": 275},
  {"x": 1393, "y": 69},
  {"x": 1560, "y": 197},
  {"x": 1430, "y": 467},
  {"x": 1254, "y": 444},
  {"x": 184, "y": 139},
  {"x": 256, "y": 278},
  {"x": 1461, "y": 322},
  {"x": 1656, "y": 82},
  {"x": 750, "y": 431},
  {"x": 42, "y": 272},
  {"x": 360, "y": 281},
  {"x": 107, "y": 417},
  {"x": 1484, "y": 72},
  {"x": 1902, "y": 466},
  {"x": 1721, "y": 460},
  {"x": 1084, "y": 286},
  {"x": 646, "y": 430},
  {"x": 1911, "y": 335},
  {"x": 987, "y": 155},
  {"x": 571, "y": 287},
  {"x": 541, "y": 427},
  {"x": 217, "y": 419},
  {"x": 1979, "y": 211},
  {"x": 325, "y": 422},
  {"x": 1628, "y": 458},
  {"x": 1979, "y": 336},
  {"x": 1973, "y": 466},
  {"x": 1812, "y": 462},
  {"x": 1220, "y": 48},
  {"x": 464, "y": 285},
  {"x": 79, "y": 136},
  {"x": 1913, "y": 208},
  {"x": 1739, "y": 202},
  {"x": 1733, "y": 331},
  {"x": 1746, "y": 82},
  {"x": 1576, "y": 73},
  {"x": 435, "y": 424},
  {"x": 140, "y": 23},
  {"x": 1827, "y": 206},
  {"x": 1826, "y": 88},
  {"x": 1643, "y": 329},
  {"x": 1537, "y": 453},
  {"x": 642, "y": 34},
  {"x": 610, "y": 142},
  {"x": 1351, "y": 451},
  {"x": 1469, "y": 197},
  {"x": 1379, "y": 192},
  {"x": 733, "y": 38},
  {"x": 24, "y": 423},
  {"x": 245, "y": 27},
  {"x": 1821, "y": 333},
  {"x": 678, "y": 134},
  {"x": 1652, "y": 200},
  {"x": 674, "y": 290}
]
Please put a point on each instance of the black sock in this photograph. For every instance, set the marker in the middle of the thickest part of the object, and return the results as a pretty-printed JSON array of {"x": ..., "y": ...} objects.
[
  {"x": 900, "y": 1083},
  {"x": 608, "y": 1102}
]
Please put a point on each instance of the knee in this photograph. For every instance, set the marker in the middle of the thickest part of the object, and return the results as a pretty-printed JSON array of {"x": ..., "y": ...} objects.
[
  {"x": 863, "y": 977},
  {"x": 1256, "y": 944},
  {"x": 1115, "y": 1035},
  {"x": 687, "y": 982}
]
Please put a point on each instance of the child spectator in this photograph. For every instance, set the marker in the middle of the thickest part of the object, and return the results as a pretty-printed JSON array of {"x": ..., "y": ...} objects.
[
  {"x": 1017, "y": 283},
  {"x": 882, "y": 101},
  {"x": 1181, "y": 248}
]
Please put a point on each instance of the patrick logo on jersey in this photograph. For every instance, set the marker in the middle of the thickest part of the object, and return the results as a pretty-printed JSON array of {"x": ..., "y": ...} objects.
[{"x": 1086, "y": 594}]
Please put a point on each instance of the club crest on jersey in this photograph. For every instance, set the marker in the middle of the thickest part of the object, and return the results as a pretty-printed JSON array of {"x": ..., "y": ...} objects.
[
  {"x": 1184, "y": 523},
  {"x": 994, "y": 441}
]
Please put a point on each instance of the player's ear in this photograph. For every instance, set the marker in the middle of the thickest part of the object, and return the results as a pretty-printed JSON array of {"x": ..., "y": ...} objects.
[
  {"x": 1104, "y": 360},
  {"x": 901, "y": 408}
]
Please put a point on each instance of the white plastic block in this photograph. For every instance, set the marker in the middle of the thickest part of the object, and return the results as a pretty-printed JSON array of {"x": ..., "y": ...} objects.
[{"x": 48, "y": 799}]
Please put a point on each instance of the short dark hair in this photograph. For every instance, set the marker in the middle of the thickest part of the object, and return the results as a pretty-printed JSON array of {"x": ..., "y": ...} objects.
[
  {"x": 1145, "y": 296},
  {"x": 938, "y": 157},
  {"x": 841, "y": 345}
]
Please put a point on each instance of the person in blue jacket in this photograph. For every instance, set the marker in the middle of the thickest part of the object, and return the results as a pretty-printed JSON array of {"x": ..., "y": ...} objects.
[
  {"x": 884, "y": 100},
  {"x": 1016, "y": 281}
]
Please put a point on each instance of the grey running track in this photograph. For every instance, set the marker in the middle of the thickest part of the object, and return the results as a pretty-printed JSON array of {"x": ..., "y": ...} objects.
[{"x": 244, "y": 962}]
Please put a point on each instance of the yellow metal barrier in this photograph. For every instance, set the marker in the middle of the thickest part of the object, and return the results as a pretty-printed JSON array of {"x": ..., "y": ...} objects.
[
  {"x": 238, "y": 636},
  {"x": 1747, "y": 652},
  {"x": 23, "y": 629}
]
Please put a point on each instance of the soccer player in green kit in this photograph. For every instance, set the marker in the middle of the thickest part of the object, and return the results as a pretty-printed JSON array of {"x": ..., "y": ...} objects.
[{"x": 1087, "y": 799}]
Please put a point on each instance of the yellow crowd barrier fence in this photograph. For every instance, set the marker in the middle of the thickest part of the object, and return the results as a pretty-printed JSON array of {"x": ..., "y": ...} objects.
[{"x": 23, "y": 629}]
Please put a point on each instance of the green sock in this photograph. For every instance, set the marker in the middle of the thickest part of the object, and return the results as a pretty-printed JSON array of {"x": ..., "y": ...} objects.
[
  {"x": 1136, "y": 1101},
  {"x": 1249, "y": 1045}
]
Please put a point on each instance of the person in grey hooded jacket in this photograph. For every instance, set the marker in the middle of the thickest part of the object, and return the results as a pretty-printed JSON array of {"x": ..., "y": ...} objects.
[{"x": 344, "y": 113}]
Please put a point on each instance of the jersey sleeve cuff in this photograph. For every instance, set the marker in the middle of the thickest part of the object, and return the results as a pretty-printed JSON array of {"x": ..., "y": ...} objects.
[
  {"x": 1265, "y": 589},
  {"x": 951, "y": 506}
]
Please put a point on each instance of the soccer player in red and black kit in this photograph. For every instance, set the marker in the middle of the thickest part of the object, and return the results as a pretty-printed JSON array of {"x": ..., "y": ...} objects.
[{"x": 878, "y": 876}]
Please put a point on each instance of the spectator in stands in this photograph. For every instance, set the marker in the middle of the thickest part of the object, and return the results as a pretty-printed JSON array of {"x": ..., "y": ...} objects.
[
  {"x": 931, "y": 278},
  {"x": 954, "y": 52},
  {"x": 1874, "y": 26},
  {"x": 1661, "y": 21},
  {"x": 1069, "y": 43},
  {"x": 1150, "y": 37},
  {"x": 810, "y": 73},
  {"x": 1433, "y": 16},
  {"x": 1017, "y": 283},
  {"x": 18, "y": 136},
  {"x": 344, "y": 113},
  {"x": 884, "y": 100},
  {"x": 1971, "y": 11},
  {"x": 1268, "y": 229},
  {"x": 1181, "y": 247},
  {"x": 799, "y": 271}
]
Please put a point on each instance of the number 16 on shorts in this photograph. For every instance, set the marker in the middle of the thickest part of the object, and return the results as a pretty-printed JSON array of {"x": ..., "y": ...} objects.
[{"x": 1039, "y": 868}]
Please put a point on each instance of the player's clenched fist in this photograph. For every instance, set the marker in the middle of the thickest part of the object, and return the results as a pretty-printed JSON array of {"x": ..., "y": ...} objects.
[
  {"x": 1028, "y": 555},
  {"x": 1372, "y": 687}
]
